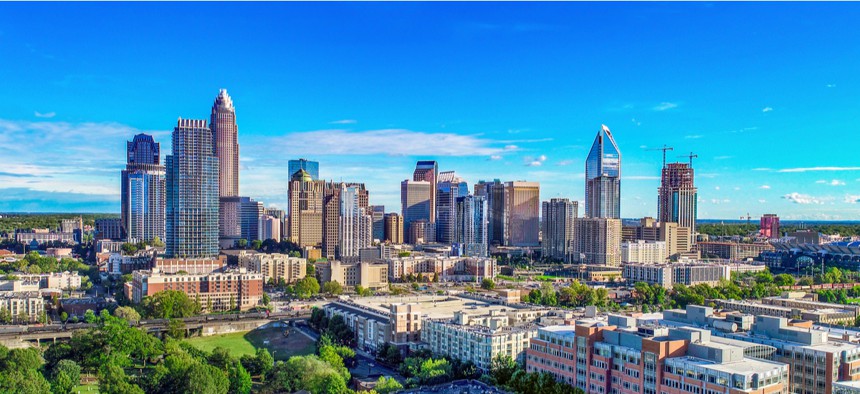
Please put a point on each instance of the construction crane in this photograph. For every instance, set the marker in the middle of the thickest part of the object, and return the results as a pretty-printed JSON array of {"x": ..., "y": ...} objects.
[
  {"x": 691, "y": 156},
  {"x": 747, "y": 217},
  {"x": 664, "y": 149}
]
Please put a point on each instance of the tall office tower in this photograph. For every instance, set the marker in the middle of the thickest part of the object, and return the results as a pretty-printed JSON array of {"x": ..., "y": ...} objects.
[
  {"x": 378, "y": 214},
  {"x": 306, "y": 209},
  {"x": 332, "y": 194},
  {"x": 558, "y": 228},
  {"x": 269, "y": 227},
  {"x": 356, "y": 225},
  {"x": 312, "y": 167},
  {"x": 676, "y": 197},
  {"x": 522, "y": 209},
  {"x": 770, "y": 226},
  {"x": 192, "y": 192},
  {"x": 471, "y": 228},
  {"x": 394, "y": 228},
  {"x": 249, "y": 218},
  {"x": 603, "y": 177},
  {"x": 281, "y": 215},
  {"x": 428, "y": 171},
  {"x": 143, "y": 190},
  {"x": 449, "y": 187},
  {"x": 597, "y": 241},
  {"x": 415, "y": 200},
  {"x": 496, "y": 215},
  {"x": 225, "y": 135}
]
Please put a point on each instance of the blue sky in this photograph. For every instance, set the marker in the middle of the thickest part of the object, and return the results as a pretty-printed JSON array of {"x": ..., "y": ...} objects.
[{"x": 765, "y": 93}]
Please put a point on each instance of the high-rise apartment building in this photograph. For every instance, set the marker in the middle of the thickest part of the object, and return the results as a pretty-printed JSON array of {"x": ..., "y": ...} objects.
[
  {"x": 416, "y": 198},
  {"x": 269, "y": 227},
  {"x": 603, "y": 177},
  {"x": 143, "y": 190},
  {"x": 192, "y": 192},
  {"x": 312, "y": 167},
  {"x": 225, "y": 136},
  {"x": 769, "y": 226},
  {"x": 496, "y": 209},
  {"x": 676, "y": 197},
  {"x": 522, "y": 208},
  {"x": 356, "y": 225},
  {"x": 332, "y": 208},
  {"x": 640, "y": 251},
  {"x": 471, "y": 225},
  {"x": 394, "y": 228},
  {"x": 427, "y": 171},
  {"x": 558, "y": 228},
  {"x": 598, "y": 241},
  {"x": 377, "y": 212},
  {"x": 243, "y": 219},
  {"x": 275, "y": 267},
  {"x": 306, "y": 209},
  {"x": 449, "y": 187}
]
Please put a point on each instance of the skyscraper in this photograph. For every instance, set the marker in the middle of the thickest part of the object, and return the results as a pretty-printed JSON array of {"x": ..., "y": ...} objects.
[
  {"x": 394, "y": 228},
  {"x": 305, "y": 194},
  {"x": 312, "y": 167},
  {"x": 225, "y": 135},
  {"x": 427, "y": 170},
  {"x": 522, "y": 211},
  {"x": 448, "y": 188},
  {"x": 597, "y": 241},
  {"x": 559, "y": 228},
  {"x": 356, "y": 225},
  {"x": 494, "y": 192},
  {"x": 603, "y": 177},
  {"x": 143, "y": 190},
  {"x": 378, "y": 214},
  {"x": 415, "y": 199},
  {"x": 676, "y": 197},
  {"x": 769, "y": 226},
  {"x": 192, "y": 192},
  {"x": 332, "y": 208},
  {"x": 471, "y": 225}
]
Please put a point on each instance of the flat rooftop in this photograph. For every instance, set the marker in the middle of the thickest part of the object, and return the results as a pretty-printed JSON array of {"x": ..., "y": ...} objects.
[
  {"x": 433, "y": 307},
  {"x": 747, "y": 367}
]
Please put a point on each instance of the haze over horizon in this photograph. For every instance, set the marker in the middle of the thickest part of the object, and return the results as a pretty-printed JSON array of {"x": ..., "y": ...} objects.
[{"x": 508, "y": 91}]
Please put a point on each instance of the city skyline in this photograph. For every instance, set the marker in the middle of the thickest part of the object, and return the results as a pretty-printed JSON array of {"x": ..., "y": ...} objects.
[{"x": 61, "y": 149}]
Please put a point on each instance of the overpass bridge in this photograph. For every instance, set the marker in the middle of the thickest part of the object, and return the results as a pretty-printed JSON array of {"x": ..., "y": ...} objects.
[{"x": 22, "y": 336}]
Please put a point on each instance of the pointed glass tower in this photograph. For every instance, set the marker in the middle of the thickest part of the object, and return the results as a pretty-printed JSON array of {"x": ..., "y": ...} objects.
[{"x": 603, "y": 177}]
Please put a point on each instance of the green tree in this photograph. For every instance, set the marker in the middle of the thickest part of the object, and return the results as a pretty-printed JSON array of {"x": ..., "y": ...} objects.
[
  {"x": 306, "y": 287},
  {"x": 333, "y": 288},
  {"x": 488, "y": 284},
  {"x": 90, "y": 316},
  {"x": 6, "y": 316},
  {"x": 156, "y": 242},
  {"x": 128, "y": 248},
  {"x": 170, "y": 304},
  {"x": 242, "y": 243},
  {"x": 502, "y": 368},
  {"x": 387, "y": 385},
  {"x": 266, "y": 299},
  {"x": 256, "y": 244},
  {"x": 311, "y": 269},
  {"x": 176, "y": 328},
  {"x": 113, "y": 380},
  {"x": 65, "y": 376},
  {"x": 784, "y": 280},
  {"x": 240, "y": 379}
]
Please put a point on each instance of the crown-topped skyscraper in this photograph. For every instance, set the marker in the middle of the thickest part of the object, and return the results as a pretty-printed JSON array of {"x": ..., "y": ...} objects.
[{"x": 603, "y": 177}]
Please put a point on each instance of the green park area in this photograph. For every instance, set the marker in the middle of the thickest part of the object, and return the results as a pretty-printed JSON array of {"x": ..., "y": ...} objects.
[{"x": 271, "y": 338}]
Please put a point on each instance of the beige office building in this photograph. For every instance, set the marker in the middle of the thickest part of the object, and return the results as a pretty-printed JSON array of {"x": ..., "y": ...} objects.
[
  {"x": 522, "y": 208},
  {"x": 598, "y": 241},
  {"x": 677, "y": 238},
  {"x": 349, "y": 275},
  {"x": 306, "y": 210},
  {"x": 275, "y": 266}
]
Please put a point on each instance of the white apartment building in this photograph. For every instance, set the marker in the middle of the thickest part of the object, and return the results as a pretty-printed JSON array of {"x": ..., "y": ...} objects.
[{"x": 645, "y": 252}]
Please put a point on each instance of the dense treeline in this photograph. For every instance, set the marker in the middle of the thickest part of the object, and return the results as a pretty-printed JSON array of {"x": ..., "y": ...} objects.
[
  {"x": 743, "y": 229},
  {"x": 11, "y": 221}
]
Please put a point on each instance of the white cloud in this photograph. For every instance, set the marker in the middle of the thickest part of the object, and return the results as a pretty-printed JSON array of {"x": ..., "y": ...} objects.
[
  {"x": 45, "y": 115},
  {"x": 852, "y": 198},
  {"x": 636, "y": 122},
  {"x": 542, "y": 158},
  {"x": 534, "y": 164},
  {"x": 693, "y": 136},
  {"x": 830, "y": 85},
  {"x": 809, "y": 169},
  {"x": 665, "y": 106},
  {"x": 393, "y": 142},
  {"x": 762, "y": 201},
  {"x": 495, "y": 157},
  {"x": 766, "y": 109},
  {"x": 565, "y": 162},
  {"x": 836, "y": 182},
  {"x": 511, "y": 147},
  {"x": 643, "y": 146},
  {"x": 766, "y": 187},
  {"x": 716, "y": 188},
  {"x": 798, "y": 198},
  {"x": 736, "y": 188}
]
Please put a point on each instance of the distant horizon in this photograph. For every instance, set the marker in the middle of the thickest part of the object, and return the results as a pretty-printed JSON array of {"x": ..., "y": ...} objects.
[{"x": 514, "y": 91}]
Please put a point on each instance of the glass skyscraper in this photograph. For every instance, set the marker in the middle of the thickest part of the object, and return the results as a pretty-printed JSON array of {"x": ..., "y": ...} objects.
[
  {"x": 311, "y": 167},
  {"x": 448, "y": 188},
  {"x": 143, "y": 190},
  {"x": 471, "y": 229},
  {"x": 192, "y": 192},
  {"x": 603, "y": 177}
]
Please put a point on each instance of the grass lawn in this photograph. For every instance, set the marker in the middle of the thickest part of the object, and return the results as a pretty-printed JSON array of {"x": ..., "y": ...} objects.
[
  {"x": 272, "y": 338},
  {"x": 86, "y": 389}
]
